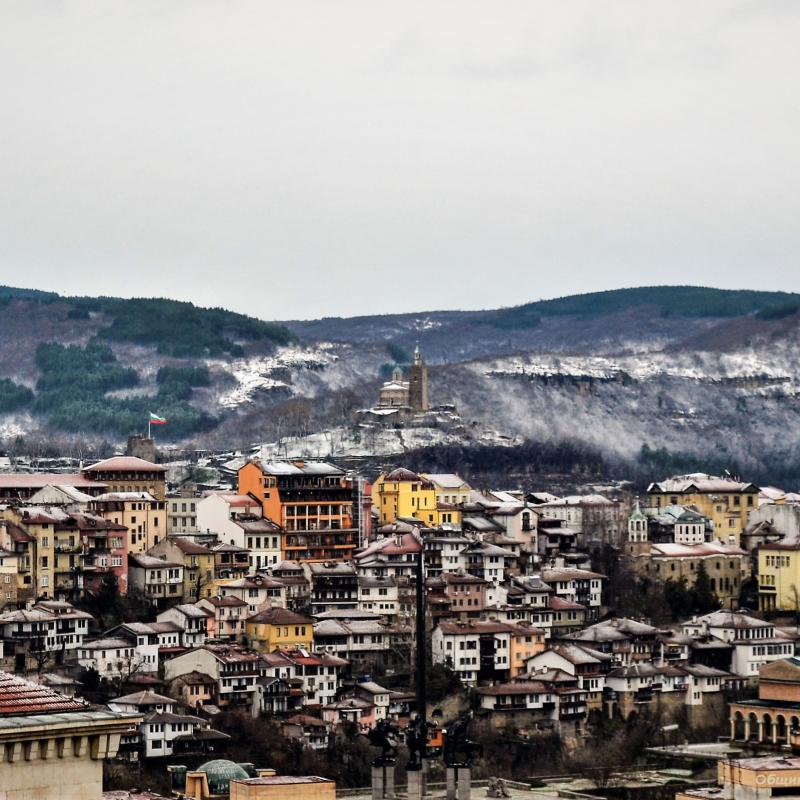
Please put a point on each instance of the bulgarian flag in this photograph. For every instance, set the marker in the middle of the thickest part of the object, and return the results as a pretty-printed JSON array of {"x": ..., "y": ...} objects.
[{"x": 156, "y": 420}]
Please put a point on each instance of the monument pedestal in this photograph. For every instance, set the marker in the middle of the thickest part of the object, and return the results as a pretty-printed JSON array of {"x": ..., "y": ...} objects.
[
  {"x": 459, "y": 783},
  {"x": 416, "y": 784},
  {"x": 383, "y": 782}
]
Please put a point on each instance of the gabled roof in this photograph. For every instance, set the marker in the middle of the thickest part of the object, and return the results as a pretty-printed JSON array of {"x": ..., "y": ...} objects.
[
  {"x": 704, "y": 671},
  {"x": 371, "y": 687},
  {"x": 188, "y": 547},
  {"x": 125, "y": 464},
  {"x": 730, "y": 619},
  {"x": 279, "y": 616},
  {"x": 787, "y": 669},
  {"x": 149, "y": 562},
  {"x": 446, "y": 480},
  {"x": 677, "y": 550},
  {"x": 700, "y": 482},
  {"x": 580, "y": 500},
  {"x": 106, "y": 643},
  {"x": 236, "y": 500},
  {"x": 190, "y": 610},
  {"x": 615, "y": 629},
  {"x": 307, "y": 721},
  {"x": 143, "y": 699},
  {"x": 218, "y": 602},
  {"x": 20, "y": 697},
  {"x": 577, "y": 654},
  {"x": 123, "y": 497},
  {"x": 454, "y": 577},
  {"x": 518, "y": 687},
  {"x": 569, "y": 574},
  {"x": 402, "y": 475},
  {"x": 298, "y": 467},
  {"x": 398, "y": 544},
  {"x": 557, "y": 603},
  {"x": 641, "y": 670},
  {"x": 38, "y": 480},
  {"x": 195, "y": 677}
]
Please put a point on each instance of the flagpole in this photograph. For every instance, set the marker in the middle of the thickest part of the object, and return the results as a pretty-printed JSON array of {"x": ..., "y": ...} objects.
[{"x": 148, "y": 428}]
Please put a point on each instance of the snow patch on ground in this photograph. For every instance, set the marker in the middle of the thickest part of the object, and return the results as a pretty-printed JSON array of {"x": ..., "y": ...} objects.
[
  {"x": 699, "y": 366},
  {"x": 17, "y": 425},
  {"x": 256, "y": 374},
  {"x": 369, "y": 440}
]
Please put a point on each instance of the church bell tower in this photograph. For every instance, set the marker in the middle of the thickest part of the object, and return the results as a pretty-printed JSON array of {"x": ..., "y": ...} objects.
[{"x": 418, "y": 383}]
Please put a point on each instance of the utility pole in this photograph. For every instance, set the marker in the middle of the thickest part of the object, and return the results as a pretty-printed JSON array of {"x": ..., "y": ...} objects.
[{"x": 420, "y": 635}]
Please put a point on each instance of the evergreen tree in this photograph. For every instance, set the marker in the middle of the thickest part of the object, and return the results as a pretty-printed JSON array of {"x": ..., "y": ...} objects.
[{"x": 703, "y": 596}]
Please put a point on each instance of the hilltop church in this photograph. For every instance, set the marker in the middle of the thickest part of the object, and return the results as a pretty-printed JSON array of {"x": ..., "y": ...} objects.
[{"x": 411, "y": 395}]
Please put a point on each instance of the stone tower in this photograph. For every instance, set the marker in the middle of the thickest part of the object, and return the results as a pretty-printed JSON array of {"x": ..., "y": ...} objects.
[
  {"x": 418, "y": 383},
  {"x": 638, "y": 538}
]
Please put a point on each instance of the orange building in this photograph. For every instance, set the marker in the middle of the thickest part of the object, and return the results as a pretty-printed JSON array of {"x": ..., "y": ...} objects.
[{"x": 311, "y": 501}]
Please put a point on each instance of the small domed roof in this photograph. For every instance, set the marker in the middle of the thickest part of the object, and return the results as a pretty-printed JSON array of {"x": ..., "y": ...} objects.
[{"x": 220, "y": 773}]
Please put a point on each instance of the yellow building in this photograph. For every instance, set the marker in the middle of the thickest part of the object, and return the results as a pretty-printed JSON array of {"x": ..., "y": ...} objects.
[
  {"x": 16, "y": 540},
  {"x": 725, "y": 501},
  {"x": 130, "y": 474},
  {"x": 525, "y": 642},
  {"x": 41, "y": 527},
  {"x": 278, "y": 787},
  {"x": 452, "y": 491},
  {"x": 198, "y": 565},
  {"x": 779, "y": 577},
  {"x": 141, "y": 513},
  {"x": 431, "y": 499},
  {"x": 758, "y": 778},
  {"x": 276, "y": 628}
]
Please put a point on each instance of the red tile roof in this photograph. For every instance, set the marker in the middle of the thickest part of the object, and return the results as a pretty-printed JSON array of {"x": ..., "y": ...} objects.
[
  {"x": 189, "y": 547},
  {"x": 38, "y": 480},
  {"x": 125, "y": 464},
  {"x": 19, "y": 697}
]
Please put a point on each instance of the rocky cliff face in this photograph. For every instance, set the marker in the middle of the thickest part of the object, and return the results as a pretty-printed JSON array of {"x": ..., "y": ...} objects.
[{"x": 617, "y": 372}]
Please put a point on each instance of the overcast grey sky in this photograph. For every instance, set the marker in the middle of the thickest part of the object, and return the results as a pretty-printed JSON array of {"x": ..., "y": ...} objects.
[{"x": 303, "y": 159}]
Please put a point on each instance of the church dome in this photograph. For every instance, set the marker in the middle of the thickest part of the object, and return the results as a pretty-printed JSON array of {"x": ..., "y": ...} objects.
[{"x": 220, "y": 773}]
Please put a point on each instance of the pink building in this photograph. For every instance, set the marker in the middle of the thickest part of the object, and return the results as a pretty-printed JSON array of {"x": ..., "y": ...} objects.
[
  {"x": 466, "y": 593},
  {"x": 105, "y": 550}
]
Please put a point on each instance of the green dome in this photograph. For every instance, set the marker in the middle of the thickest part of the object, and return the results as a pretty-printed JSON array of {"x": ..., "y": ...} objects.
[{"x": 220, "y": 773}]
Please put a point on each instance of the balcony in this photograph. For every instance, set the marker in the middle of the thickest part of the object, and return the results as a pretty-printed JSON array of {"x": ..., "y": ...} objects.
[{"x": 510, "y": 706}]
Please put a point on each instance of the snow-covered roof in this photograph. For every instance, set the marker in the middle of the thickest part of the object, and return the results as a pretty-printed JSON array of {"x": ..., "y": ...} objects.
[
  {"x": 445, "y": 480},
  {"x": 700, "y": 482}
]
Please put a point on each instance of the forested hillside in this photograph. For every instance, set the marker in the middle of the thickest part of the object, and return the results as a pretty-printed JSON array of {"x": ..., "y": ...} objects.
[{"x": 681, "y": 374}]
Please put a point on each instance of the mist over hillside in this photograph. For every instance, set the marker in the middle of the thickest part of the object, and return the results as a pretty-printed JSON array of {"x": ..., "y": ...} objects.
[{"x": 690, "y": 373}]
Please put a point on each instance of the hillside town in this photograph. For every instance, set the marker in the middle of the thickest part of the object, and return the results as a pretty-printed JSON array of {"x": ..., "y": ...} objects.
[{"x": 166, "y": 615}]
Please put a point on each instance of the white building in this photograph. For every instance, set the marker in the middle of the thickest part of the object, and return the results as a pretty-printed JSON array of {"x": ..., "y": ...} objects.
[
  {"x": 592, "y": 516},
  {"x": 237, "y": 520},
  {"x": 754, "y": 641},
  {"x": 576, "y": 585},
  {"x": 112, "y": 657},
  {"x": 191, "y": 620},
  {"x": 50, "y": 626},
  {"x": 154, "y": 578}
]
